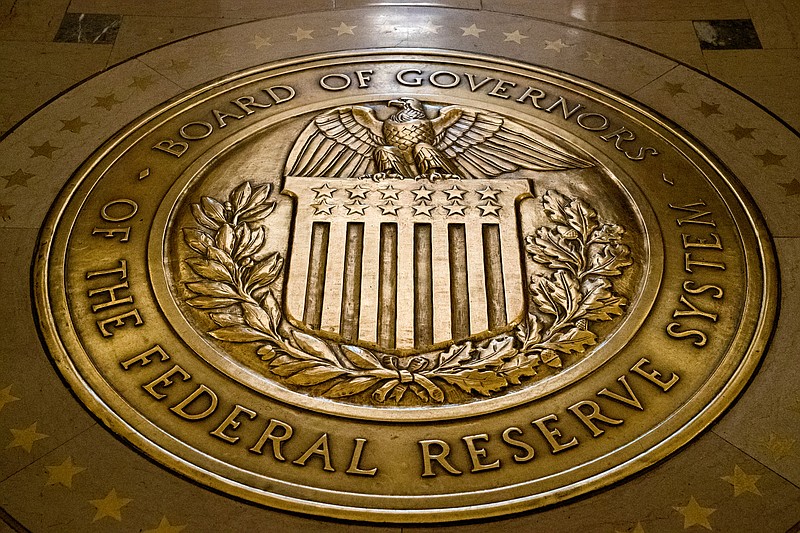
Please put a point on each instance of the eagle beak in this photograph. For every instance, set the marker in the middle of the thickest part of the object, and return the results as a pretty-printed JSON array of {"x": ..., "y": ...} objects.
[{"x": 396, "y": 103}]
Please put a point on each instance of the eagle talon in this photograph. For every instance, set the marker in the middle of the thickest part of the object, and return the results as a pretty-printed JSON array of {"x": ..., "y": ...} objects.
[{"x": 378, "y": 176}]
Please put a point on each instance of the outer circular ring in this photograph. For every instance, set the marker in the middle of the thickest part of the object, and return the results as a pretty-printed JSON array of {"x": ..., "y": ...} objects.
[{"x": 730, "y": 378}]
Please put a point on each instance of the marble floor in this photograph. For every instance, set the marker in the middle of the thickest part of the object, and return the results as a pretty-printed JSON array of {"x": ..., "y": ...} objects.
[{"x": 726, "y": 70}]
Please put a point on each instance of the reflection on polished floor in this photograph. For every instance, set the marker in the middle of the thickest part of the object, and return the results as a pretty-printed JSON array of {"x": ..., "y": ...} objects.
[{"x": 726, "y": 70}]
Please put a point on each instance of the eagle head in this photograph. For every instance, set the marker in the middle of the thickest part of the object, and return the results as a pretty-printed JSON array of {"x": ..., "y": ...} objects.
[{"x": 410, "y": 109}]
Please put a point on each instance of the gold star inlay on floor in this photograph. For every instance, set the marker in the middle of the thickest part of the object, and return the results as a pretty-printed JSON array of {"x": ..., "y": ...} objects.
[
  {"x": 19, "y": 178},
  {"x": 556, "y": 45},
  {"x": 179, "y": 66},
  {"x": 770, "y": 158},
  {"x": 110, "y": 506},
  {"x": 430, "y": 27},
  {"x": 742, "y": 482},
  {"x": 674, "y": 89},
  {"x": 44, "y": 150},
  {"x": 62, "y": 474},
  {"x": 514, "y": 37},
  {"x": 473, "y": 31},
  {"x": 695, "y": 514},
  {"x": 106, "y": 102},
  {"x": 141, "y": 82},
  {"x": 260, "y": 41},
  {"x": 595, "y": 57},
  {"x": 6, "y": 397},
  {"x": 301, "y": 34},
  {"x": 707, "y": 109},
  {"x": 165, "y": 527},
  {"x": 344, "y": 29},
  {"x": 24, "y": 438},
  {"x": 792, "y": 188},
  {"x": 740, "y": 132},
  {"x": 778, "y": 446},
  {"x": 74, "y": 125}
]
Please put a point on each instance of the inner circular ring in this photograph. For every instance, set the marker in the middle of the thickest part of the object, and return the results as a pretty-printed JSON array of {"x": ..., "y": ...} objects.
[{"x": 629, "y": 324}]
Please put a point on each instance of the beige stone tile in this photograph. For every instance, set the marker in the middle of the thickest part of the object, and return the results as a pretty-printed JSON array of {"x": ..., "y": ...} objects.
[
  {"x": 31, "y": 20},
  {"x": 152, "y": 494},
  {"x": 792, "y": 19},
  {"x": 765, "y": 160},
  {"x": 675, "y": 39},
  {"x": 778, "y": 94},
  {"x": 608, "y": 61},
  {"x": 44, "y": 415},
  {"x": 765, "y": 422},
  {"x": 767, "y": 64},
  {"x": 32, "y": 73},
  {"x": 49, "y": 148},
  {"x": 606, "y": 10},
  {"x": 249, "y": 9},
  {"x": 139, "y": 34},
  {"x": 768, "y": 76},
  {"x": 775, "y": 21},
  {"x": 649, "y": 501}
]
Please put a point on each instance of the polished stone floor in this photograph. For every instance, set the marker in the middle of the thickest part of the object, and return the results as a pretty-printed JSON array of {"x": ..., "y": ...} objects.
[{"x": 74, "y": 71}]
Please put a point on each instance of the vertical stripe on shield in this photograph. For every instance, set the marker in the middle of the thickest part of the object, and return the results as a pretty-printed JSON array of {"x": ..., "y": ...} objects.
[
  {"x": 459, "y": 285},
  {"x": 315, "y": 284},
  {"x": 423, "y": 286},
  {"x": 351, "y": 284},
  {"x": 387, "y": 286},
  {"x": 493, "y": 275}
]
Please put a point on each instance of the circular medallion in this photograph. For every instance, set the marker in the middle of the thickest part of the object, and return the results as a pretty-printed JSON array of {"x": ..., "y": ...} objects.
[{"x": 405, "y": 286}]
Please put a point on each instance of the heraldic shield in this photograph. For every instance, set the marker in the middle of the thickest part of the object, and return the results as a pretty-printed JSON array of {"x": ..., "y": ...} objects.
[{"x": 405, "y": 233}]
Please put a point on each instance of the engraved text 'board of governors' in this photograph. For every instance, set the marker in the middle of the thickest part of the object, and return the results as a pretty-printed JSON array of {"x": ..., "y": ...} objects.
[{"x": 404, "y": 286}]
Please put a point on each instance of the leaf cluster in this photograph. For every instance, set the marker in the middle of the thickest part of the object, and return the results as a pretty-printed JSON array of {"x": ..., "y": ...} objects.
[
  {"x": 582, "y": 253},
  {"x": 230, "y": 249},
  {"x": 577, "y": 243}
]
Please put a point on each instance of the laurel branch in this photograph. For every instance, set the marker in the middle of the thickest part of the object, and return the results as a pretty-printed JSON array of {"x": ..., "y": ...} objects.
[{"x": 237, "y": 292}]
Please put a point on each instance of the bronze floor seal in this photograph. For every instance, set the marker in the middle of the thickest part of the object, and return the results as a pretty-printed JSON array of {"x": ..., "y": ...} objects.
[{"x": 405, "y": 286}]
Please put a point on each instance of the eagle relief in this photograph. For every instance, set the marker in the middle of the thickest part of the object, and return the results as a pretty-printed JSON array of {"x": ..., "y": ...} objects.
[{"x": 408, "y": 275}]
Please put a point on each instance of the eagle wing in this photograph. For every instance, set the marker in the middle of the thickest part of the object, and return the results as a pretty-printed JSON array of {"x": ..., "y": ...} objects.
[
  {"x": 339, "y": 142},
  {"x": 484, "y": 144}
]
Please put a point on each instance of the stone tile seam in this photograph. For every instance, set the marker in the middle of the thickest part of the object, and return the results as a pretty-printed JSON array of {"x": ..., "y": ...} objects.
[
  {"x": 47, "y": 454},
  {"x": 759, "y": 461}
]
